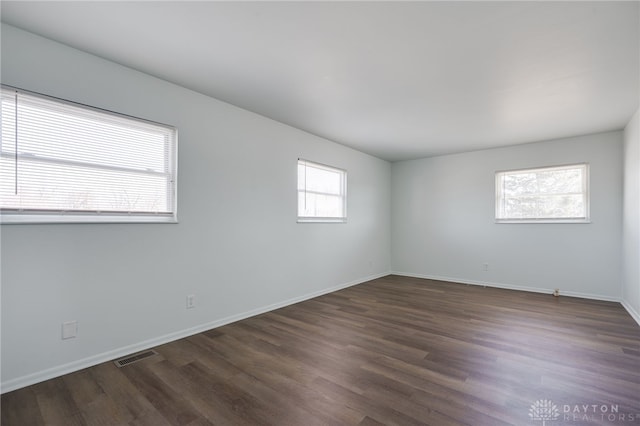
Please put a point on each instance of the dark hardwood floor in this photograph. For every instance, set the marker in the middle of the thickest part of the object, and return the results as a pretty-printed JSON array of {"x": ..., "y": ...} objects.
[{"x": 393, "y": 351}]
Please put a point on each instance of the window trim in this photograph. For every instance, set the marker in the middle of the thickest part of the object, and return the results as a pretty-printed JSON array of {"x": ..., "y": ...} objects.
[
  {"x": 320, "y": 219},
  {"x": 10, "y": 216},
  {"x": 574, "y": 220}
]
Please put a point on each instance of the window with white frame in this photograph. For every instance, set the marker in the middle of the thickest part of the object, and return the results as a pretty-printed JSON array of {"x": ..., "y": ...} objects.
[
  {"x": 65, "y": 162},
  {"x": 546, "y": 195},
  {"x": 322, "y": 193}
]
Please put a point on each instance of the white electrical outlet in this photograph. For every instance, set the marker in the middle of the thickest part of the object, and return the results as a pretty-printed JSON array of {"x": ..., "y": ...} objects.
[
  {"x": 191, "y": 301},
  {"x": 69, "y": 329},
  {"x": 485, "y": 266}
]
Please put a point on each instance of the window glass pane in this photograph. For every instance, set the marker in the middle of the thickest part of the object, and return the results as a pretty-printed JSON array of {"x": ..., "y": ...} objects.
[
  {"x": 325, "y": 181},
  {"x": 83, "y": 188},
  {"x": 557, "y": 206},
  {"x": 561, "y": 181},
  {"x": 550, "y": 182},
  {"x": 319, "y": 205}
]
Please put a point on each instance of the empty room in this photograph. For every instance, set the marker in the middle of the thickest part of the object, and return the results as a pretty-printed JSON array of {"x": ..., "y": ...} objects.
[{"x": 320, "y": 213}]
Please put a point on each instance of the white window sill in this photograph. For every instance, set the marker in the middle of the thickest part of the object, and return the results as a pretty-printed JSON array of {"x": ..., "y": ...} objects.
[
  {"x": 30, "y": 219},
  {"x": 556, "y": 221},
  {"x": 321, "y": 220}
]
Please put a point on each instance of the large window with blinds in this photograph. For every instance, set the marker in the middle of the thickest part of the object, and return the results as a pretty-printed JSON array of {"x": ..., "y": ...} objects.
[
  {"x": 322, "y": 193},
  {"x": 65, "y": 162}
]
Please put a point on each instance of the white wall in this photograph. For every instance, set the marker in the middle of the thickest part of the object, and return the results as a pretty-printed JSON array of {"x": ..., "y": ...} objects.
[
  {"x": 443, "y": 221},
  {"x": 237, "y": 247},
  {"x": 631, "y": 218}
]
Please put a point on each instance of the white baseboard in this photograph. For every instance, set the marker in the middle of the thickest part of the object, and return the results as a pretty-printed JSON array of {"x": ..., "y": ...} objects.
[
  {"x": 71, "y": 367},
  {"x": 509, "y": 286},
  {"x": 634, "y": 314}
]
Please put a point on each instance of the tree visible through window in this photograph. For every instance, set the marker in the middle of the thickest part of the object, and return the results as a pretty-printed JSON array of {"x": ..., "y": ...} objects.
[{"x": 549, "y": 194}]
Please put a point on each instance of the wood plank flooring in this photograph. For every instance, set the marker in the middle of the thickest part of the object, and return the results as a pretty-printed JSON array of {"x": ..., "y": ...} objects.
[{"x": 393, "y": 351}]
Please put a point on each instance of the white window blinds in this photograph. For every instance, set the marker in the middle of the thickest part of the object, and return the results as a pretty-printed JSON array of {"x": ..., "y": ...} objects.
[
  {"x": 61, "y": 162},
  {"x": 322, "y": 193}
]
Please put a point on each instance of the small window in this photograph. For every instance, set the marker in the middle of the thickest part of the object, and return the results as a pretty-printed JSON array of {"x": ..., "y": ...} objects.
[
  {"x": 65, "y": 162},
  {"x": 546, "y": 195},
  {"x": 322, "y": 193}
]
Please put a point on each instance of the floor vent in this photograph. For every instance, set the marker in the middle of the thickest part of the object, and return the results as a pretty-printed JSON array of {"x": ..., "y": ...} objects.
[{"x": 134, "y": 358}]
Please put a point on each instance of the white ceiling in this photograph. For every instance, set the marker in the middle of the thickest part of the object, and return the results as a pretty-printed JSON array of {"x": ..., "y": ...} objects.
[{"x": 397, "y": 80}]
